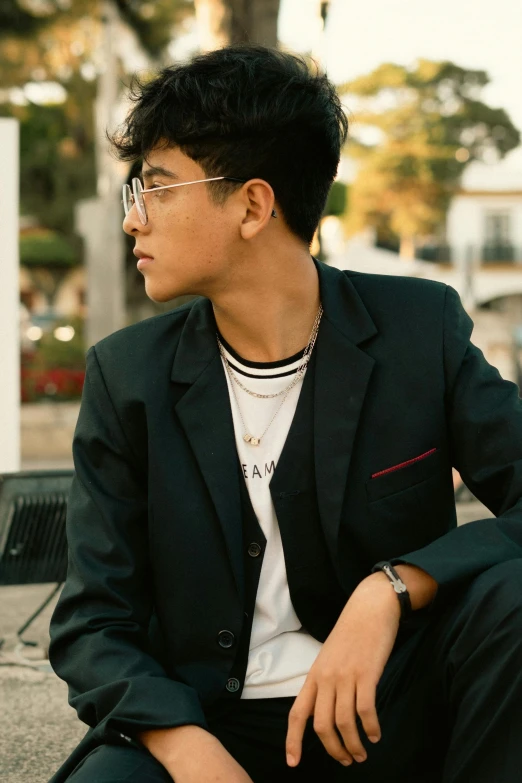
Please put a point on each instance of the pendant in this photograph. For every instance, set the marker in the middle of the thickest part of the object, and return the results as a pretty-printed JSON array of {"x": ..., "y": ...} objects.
[{"x": 252, "y": 440}]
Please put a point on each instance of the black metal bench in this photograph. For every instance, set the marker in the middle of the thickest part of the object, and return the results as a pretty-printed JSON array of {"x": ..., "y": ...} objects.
[{"x": 33, "y": 543}]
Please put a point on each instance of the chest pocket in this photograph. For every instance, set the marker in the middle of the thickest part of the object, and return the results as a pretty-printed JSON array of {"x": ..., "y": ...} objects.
[
  {"x": 411, "y": 506},
  {"x": 403, "y": 478}
]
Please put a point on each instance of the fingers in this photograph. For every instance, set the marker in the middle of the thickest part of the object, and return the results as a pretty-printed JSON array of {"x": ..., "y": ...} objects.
[
  {"x": 302, "y": 708},
  {"x": 325, "y": 722},
  {"x": 365, "y": 705},
  {"x": 349, "y": 704},
  {"x": 345, "y": 722},
  {"x": 334, "y": 709}
]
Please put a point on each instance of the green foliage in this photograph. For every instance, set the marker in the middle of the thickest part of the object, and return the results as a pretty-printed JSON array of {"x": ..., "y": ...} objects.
[
  {"x": 56, "y": 141},
  {"x": 15, "y": 18},
  {"x": 47, "y": 249},
  {"x": 36, "y": 24},
  {"x": 57, "y": 166},
  {"x": 431, "y": 125},
  {"x": 337, "y": 198},
  {"x": 153, "y": 22},
  {"x": 52, "y": 353},
  {"x": 55, "y": 370},
  {"x": 58, "y": 41}
]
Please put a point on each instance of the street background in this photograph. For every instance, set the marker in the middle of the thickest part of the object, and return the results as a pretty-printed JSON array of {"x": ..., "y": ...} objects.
[{"x": 429, "y": 185}]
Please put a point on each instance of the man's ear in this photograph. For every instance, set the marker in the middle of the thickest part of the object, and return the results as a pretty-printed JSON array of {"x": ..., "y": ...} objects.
[{"x": 258, "y": 203}]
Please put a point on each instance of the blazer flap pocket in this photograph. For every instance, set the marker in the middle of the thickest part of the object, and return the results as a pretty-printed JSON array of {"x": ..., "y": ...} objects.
[{"x": 402, "y": 477}]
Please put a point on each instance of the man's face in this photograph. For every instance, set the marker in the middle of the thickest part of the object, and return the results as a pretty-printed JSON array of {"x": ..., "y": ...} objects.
[{"x": 190, "y": 238}]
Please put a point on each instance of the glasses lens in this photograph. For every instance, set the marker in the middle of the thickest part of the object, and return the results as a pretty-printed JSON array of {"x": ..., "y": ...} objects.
[
  {"x": 137, "y": 190},
  {"x": 127, "y": 199}
]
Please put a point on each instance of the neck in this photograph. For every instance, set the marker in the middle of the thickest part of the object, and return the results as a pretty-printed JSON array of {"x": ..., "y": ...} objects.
[{"x": 267, "y": 309}]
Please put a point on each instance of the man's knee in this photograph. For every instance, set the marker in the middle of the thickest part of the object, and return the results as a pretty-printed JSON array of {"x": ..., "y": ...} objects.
[
  {"x": 505, "y": 576},
  {"x": 496, "y": 595}
]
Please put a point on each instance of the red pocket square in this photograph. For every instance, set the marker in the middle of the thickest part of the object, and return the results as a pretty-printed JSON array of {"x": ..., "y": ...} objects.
[{"x": 404, "y": 464}]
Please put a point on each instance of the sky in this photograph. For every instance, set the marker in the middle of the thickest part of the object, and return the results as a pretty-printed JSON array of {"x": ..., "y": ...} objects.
[{"x": 359, "y": 36}]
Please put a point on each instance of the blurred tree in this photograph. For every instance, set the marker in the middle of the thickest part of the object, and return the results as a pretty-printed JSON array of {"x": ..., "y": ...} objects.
[
  {"x": 154, "y": 22},
  {"x": 15, "y": 17},
  {"x": 416, "y": 131},
  {"x": 56, "y": 155},
  {"x": 336, "y": 205},
  {"x": 57, "y": 44},
  {"x": 63, "y": 67},
  {"x": 223, "y": 22},
  {"x": 42, "y": 247},
  {"x": 337, "y": 199}
]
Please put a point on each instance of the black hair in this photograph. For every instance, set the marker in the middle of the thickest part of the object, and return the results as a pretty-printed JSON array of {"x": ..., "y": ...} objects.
[{"x": 245, "y": 111}]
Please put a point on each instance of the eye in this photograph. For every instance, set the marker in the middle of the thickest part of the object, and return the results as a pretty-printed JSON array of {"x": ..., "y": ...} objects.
[{"x": 159, "y": 193}]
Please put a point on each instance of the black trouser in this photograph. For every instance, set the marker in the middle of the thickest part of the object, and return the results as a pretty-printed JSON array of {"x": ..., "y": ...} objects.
[{"x": 449, "y": 703}]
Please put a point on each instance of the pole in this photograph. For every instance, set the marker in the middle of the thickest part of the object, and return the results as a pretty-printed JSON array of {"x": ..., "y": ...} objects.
[
  {"x": 9, "y": 298},
  {"x": 99, "y": 220}
]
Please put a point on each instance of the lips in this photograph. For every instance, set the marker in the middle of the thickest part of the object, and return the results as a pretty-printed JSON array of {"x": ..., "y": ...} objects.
[{"x": 141, "y": 253}]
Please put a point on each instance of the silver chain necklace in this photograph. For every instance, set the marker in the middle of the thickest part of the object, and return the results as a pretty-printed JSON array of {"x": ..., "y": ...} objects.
[{"x": 300, "y": 372}]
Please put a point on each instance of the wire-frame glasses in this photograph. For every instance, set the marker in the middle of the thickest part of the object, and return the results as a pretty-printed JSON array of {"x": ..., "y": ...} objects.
[{"x": 134, "y": 195}]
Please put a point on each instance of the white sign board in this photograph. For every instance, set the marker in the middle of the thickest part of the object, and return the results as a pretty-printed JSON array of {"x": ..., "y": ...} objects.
[{"x": 9, "y": 298}]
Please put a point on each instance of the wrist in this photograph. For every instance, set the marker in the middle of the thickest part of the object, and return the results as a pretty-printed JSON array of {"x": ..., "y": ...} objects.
[
  {"x": 421, "y": 586},
  {"x": 398, "y": 587},
  {"x": 389, "y": 595},
  {"x": 376, "y": 589}
]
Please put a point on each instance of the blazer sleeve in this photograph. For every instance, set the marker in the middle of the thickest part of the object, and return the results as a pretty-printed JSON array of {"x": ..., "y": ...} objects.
[
  {"x": 99, "y": 628},
  {"x": 484, "y": 420}
]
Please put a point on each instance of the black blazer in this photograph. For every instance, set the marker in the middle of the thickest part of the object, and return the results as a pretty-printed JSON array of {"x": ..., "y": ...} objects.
[{"x": 154, "y": 522}]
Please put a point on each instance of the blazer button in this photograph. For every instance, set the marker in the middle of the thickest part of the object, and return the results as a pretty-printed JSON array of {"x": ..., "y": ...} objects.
[
  {"x": 254, "y": 549},
  {"x": 226, "y": 639},
  {"x": 233, "y": 685}
]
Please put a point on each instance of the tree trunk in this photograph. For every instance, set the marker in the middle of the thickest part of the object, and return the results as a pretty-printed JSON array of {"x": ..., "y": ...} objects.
[
  {"x": 224, "y": 22},
  {"x": 407, "y": 248},
  {"x": 262, "y": 16}
]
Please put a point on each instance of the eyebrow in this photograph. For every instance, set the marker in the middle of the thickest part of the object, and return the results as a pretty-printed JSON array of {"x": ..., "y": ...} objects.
[{"x": 158, "y": 171}]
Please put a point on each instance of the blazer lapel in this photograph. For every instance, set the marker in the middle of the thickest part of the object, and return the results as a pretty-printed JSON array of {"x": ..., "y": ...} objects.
[
  {"x": 342, "y": 374},
  {"x": 341, "y": 378},
  {"x": 205, "y": 415}
]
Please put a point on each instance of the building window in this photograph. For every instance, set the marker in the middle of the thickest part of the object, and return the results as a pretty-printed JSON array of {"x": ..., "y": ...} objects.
[
  {"x": 498, "y": 228},
  {"x": 497, "y": 235}
]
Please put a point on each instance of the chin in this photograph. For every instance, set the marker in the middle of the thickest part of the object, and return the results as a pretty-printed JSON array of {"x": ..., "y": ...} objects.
[{"x": 161, "y": 295}]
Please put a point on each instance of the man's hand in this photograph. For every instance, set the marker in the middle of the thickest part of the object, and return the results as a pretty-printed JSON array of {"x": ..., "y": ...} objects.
[
  {"x": 343, "y": 679},
  {"x": 191, "y": 754}
]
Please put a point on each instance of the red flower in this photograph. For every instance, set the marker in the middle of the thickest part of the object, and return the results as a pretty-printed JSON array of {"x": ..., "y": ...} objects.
[{"x": 57, "y": 384}]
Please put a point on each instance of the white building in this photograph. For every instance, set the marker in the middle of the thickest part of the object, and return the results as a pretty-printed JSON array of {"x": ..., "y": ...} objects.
[
  {"x": 484, "y": 232},
  {"x": 484, "y": 222}
]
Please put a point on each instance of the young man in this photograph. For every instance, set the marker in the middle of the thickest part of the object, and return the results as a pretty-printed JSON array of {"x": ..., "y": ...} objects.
[{"x": 266, "y": 581}]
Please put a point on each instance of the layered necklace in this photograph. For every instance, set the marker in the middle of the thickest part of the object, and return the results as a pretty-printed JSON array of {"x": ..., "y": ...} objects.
[{"x": 301, "y": 370}]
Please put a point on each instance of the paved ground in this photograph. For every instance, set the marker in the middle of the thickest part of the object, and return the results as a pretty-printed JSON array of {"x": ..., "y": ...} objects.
[{"x": 38, "y": 729}]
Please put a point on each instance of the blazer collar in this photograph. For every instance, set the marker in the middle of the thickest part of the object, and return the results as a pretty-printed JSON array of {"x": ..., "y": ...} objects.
[{"x": 342, "y": 306}]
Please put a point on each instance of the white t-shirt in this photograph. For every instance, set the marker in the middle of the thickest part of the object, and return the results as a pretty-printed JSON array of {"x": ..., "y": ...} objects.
[{"x": 281, "y": 650}]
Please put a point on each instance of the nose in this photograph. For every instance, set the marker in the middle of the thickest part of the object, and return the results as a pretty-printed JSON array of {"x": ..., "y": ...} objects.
[{"x": 132, "y": 222}]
